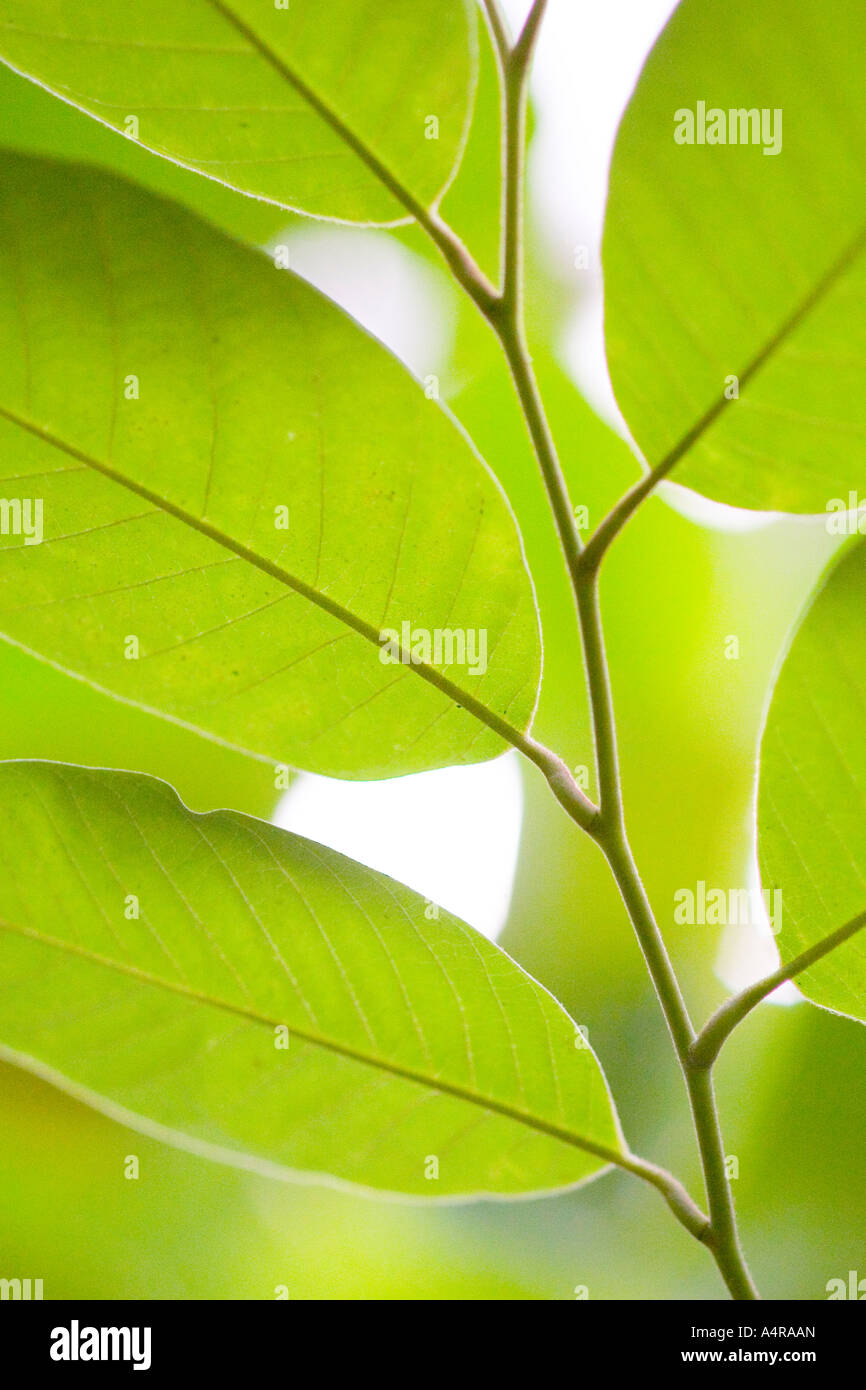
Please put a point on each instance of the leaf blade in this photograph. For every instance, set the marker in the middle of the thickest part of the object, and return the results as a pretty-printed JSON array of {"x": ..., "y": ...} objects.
[
  {"x": 471, "y": 1060},
  {"x": 265, "y": 81},
  {"x": 812, "y": 788},
  {"x": 752, "y": 276},
  {"x": 266, "y": 638}
]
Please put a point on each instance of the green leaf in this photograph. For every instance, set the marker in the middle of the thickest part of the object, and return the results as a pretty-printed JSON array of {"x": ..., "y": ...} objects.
[
  {"x": 32, "y": 121},
  {"x": 313, "y": 110},
  {"x": 812, "y": 793},
  {"x": 45, "y": 714},
  {"x": 471, "y": 205},
  {"x": 407, "y": 1040},
  {"x": 257, "y": 402},
  {"x": 726, "y": 261}
]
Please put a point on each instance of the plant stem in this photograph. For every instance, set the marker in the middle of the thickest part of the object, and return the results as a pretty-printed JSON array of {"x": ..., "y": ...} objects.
[
  {"x": 498, "y": 29},
  {"x": 505, "y": 314},
  {"x": 723, "y": 1239},
  {"x": 612, "y": 839},
  {"x": 610, "y": 835},
  {"x": 511, "y": 336},
  {"x": 607, "y": 828},
  {"x": 495, "y": 305},
  {"x": 684, "y": 1208},
  {"x": 712, "y": 1037}
]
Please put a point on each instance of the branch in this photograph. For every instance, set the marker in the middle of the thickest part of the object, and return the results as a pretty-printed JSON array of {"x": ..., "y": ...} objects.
[
  {"x": 499, "y": 30},
  {"x": 520, "y": 366},
  {"x": 712, "y": 1037},
  {"x": 523, "y": 49},
  {"x": 684, "y": 1208},
  {"x": 605, "y": 825},
  {"x": 506, "y": 315},
  {"x": 610, "y": 834}
]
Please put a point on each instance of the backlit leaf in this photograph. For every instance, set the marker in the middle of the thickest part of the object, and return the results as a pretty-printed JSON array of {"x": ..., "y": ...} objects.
[
  {"x": 735, "y": 273},
  {"x": 240, "y": 493},
  {"x": 301, "y": 104},
  {"x": 253, "y": 995},
  {"x": 812, "y": 801}
]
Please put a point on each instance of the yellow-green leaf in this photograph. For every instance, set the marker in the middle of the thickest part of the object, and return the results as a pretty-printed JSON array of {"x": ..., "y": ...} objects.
[
  {"x": 812, "y": 796},
  {"x": 240, "y": 493},
  {"x": 348, "y": 110},
  {"x": 250, "y": 994},
  {"x": 735, "y": 272}
]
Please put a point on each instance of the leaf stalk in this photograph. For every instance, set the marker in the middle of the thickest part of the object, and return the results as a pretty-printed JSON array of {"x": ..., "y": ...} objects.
[
  {"x": 607, "y": 827},
  {"x": 715, "y": 1033}
]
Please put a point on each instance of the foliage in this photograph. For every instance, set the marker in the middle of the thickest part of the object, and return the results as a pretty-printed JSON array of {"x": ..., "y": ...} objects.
[{"x": 240, "y": 540}]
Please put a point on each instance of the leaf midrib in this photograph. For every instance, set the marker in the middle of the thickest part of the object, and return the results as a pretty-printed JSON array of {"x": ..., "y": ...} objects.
[
  {"x": 460, "y": 697},
  {"x": 629, "y": 503},
  {"x": 462, "y": 1093},
  {"x": 847, "y": 258},
  {"x": 349, "y": 137},
  {"x": 322, "y": 109}
]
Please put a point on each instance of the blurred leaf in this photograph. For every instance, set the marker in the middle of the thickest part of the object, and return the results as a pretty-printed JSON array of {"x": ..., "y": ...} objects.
[
  {"x": 205, "y": 1230},
  {"x": 33, "y": 121},
  {"x": 812, "y": 800},
  {"x": 471, "y": 202},
  {"x": 48, "y": 715},
  {"x": 254, "y": 993},
  {"x": 286, "y": 104},
  {"x": 163, "y": 499},
  {"x": 729, "y": 260}
]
